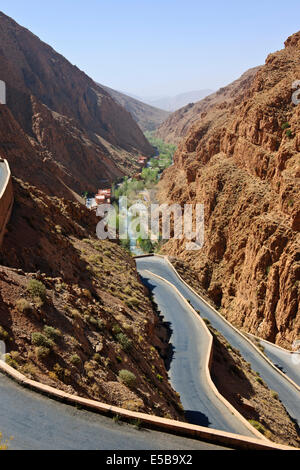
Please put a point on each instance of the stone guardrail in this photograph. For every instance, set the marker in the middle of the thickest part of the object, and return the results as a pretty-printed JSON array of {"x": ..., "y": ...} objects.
[
  {"x": 180, "y": 428},
  {"x": 6, "y": 199}
]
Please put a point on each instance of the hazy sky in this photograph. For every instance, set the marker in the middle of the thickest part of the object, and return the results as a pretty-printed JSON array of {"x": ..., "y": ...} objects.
[{"x": 160, "y": 47}]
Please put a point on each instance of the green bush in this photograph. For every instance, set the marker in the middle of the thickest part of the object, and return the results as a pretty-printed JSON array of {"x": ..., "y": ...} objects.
[
  {"x": 127, "y": 378},
  {"x": 258, "y": 426},
  {"x": 52, "y": 333},
  {"x": 42, "y": 352},
  {"x": 97, "y": 357},
  {"x": 38, "y": 339},
  {"x": 3, "y": 334},
  {"x": 75, "y": 360},
  {"x": 132, "y": 302},
  {"x": 124, "y": 341},
  {"x": 10, "y": 361},
  {"x": 36, "y": 289}
]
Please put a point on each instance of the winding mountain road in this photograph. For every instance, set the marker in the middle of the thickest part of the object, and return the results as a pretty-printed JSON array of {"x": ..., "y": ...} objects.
[
  {"x": 288, "y": 394},
  {"x": 187, "y": 367}
]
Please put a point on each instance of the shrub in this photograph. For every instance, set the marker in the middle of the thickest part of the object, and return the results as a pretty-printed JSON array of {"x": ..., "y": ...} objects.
[
  {"x": 97, "y": 357},
  {"x": 274, "y": 394},
  {"x": 42, "y": 352},
  {"x": 10, "y": 361},
  {"x": 75, "y": 360},
  {"x": 52, "y": 333},
  {"x": 36, "y": 289},
  {"x": 23, "y": 306},
  {"x": 3, "y": 334},
  {"x": 132, "y": 302},
  {"x": 258, "y": 426},
  {"x": 124, "y": 341},
  {"x": 285, "y": 125},
  {"x": 116, "y": 329},
  {"x": 127, "y": 378},
  {"x": 159, "y": 377},
  {"x": 38, "y": 339},
  {"x": 289, "y": 134}
]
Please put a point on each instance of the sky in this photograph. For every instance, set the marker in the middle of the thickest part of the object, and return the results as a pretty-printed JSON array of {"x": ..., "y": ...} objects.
[{"x": 154, "y": 48}]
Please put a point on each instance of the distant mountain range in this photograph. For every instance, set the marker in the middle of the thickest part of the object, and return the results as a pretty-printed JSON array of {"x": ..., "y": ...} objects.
[
  {"x": 148, "y": 117},
  {"x": 172, "y": 103}
]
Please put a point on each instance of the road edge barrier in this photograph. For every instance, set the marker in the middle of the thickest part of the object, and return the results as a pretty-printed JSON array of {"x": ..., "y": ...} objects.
[{"x": 180, "y": 428}]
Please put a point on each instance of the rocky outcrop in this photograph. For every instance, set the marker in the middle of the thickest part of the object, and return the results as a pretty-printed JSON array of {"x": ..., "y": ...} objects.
[
  {"x": 67, "y": 121},
  {"x": 177, "y": 125},
  {"x": 241, "y": 159}
]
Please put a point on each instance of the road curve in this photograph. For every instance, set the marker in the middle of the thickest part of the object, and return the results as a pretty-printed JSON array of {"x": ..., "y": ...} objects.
[
  {"x": 40, "y": 423},
  {"x": 288, "y": 362},
  {"x": 288, "y": 394},
  {"x": 187, "y": 372}
]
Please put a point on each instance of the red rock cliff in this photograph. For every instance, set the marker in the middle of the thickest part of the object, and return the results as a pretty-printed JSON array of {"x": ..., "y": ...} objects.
[
  {"x": 241, "y": 159},
  {"x": 73, "y": 125}
]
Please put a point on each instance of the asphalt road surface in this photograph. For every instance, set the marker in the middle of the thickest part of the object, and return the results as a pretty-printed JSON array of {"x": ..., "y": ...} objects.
[
  {"x": 288, "y": 394},
  {"x": 39, "y": 423},
  {"x": 287, "y": 362},
  {"x": 187, "y": 368}
]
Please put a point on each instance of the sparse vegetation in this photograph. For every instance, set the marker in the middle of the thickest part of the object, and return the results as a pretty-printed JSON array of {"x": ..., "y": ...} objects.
[
  {"x": 124, "y": 341},
  {"x": 37, "y": 289},
  {"x": 258, "y": 426},
  {"x": 3, "y": 334},
  {"x": 42, "y": 352},
  {"x": 52, "y": 333},
  {"x": 75, "y": 360},
  {"x": 38, "y": 339},
  {"x": 23, "y": 306},
  {"x": 127, "y": 378}
]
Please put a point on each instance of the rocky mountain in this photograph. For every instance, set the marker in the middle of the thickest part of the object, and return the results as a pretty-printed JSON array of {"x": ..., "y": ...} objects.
[
  {"x": 73, "y": 311},
  {"x": 148, "y": 117},
  {"x": 172, "y": 103},
  {"x": 59, "y": 121},
  {"x": 178, "y": 123},
  {"x": 241, "y": 159}
]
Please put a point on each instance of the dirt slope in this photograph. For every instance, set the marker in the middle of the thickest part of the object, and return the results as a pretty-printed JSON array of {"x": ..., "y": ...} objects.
[{"x": 94, "y": 318}]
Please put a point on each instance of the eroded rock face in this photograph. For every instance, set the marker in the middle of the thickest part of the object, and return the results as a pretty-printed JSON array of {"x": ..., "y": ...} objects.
[
  {"x": 177, "y": 125},
  {"x": 72, "y": 124},
  {"x": 242, "y": 160}
]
